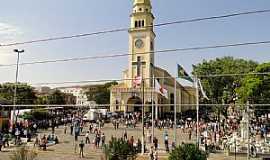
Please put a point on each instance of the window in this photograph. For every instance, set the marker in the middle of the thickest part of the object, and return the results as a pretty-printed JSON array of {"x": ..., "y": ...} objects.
[
  {"x": 139, "y": 58},
  {"x": 136, "y": 24},
  {"x": 146, "y": 10},
  {"x": 152, "y": 45},
  {"x": 142, "y": 23},
  {"x": 172, "y": 101},
  {"x": 116, "y": 105},
  {"x": 139, "y": 24},
  {"x": 140, "y": 9}
]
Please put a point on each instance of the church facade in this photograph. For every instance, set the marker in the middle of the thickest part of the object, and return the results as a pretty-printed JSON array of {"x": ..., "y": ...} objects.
[{"x": 127, "y": 97}]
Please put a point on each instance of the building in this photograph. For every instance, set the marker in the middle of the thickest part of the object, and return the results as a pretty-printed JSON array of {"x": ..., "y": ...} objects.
[
  {"x": 127, "y": 98},
  {"x": 43, "y": 90},
  {"x": 79, "y": 93}
]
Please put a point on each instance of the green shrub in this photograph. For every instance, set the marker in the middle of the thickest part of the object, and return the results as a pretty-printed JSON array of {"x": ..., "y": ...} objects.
[
  {"x": 187, "y": 152},
  {"x": 119, "y": 149}
]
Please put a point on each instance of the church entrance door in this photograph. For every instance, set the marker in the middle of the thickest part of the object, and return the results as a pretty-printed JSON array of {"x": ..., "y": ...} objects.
[{"x": 134, "y": 104}]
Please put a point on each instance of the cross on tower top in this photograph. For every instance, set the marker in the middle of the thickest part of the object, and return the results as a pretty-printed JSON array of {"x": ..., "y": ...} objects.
[{"x": 139, "y": 64}]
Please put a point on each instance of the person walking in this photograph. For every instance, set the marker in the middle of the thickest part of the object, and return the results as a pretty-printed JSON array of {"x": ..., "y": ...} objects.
[
  {"x": 151, "y": 153},
  {"x": 149, "y": 136},
  {"x": 71, "y": 128},
  {"x": 6, "y": 140},
  {"x": 98, "y": 139},
  {"x": 1, "y": 143},
  {"x": 44, "y": 143},
  {"x": 17, "y": 135},
  {"x": 155, "y": 141},
  {"x": 114, "y": 124},
  {"x": 81, "y": 127},
  {"x": 81, "y": 145},
  {"x": 125, "y": 135},
  {"x": 189, "y": 133},
  {"x": 117, "y": 124},
  {"x": 155, "y": 155},
  {"x": 37, "y": 142},
  {"x": 103, "y": 139},
  {"x": 65, "y": 129},
  {"x": 87, "y": 139},
  {"x": 166, "y": 142}
]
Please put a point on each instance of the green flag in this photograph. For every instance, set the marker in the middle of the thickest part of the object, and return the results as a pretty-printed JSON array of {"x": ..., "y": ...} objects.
[{"x": 183, "y": 74}]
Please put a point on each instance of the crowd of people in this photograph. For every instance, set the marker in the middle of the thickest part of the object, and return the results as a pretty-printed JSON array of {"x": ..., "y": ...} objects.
[{"x": 211, "y": 132}]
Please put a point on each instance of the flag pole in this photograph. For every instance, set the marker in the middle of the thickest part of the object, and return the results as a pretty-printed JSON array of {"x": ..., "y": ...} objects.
[
  {"x": 142, "y": 116},
  {"x": 152, "y": 97},
  {"x": 175, "y": 110},
  {"x": 197, "y": 109}
]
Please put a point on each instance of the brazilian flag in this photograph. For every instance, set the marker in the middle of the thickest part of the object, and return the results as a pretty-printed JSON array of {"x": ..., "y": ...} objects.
[{"x": 183, "y": 74}]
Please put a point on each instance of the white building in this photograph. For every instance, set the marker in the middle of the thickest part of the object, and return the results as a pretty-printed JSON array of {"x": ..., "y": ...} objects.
[{"x": 78, "y": 92}]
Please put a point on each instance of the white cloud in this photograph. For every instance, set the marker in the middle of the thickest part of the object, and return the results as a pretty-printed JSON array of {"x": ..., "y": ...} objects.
[
  {"x": 8, "y": 32},
  {"x": 5, "y": 56}
]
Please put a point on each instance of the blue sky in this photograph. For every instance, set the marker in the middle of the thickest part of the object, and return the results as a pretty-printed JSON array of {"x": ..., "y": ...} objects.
[{"x": 34, "y": 19}]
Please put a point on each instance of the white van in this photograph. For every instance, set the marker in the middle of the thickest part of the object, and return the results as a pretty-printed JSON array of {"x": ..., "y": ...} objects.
[{"x": 91, "y": 116}]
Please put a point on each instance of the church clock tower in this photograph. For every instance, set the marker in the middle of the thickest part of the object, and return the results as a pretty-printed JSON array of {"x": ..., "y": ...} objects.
[{"x": 141, "y": 40}]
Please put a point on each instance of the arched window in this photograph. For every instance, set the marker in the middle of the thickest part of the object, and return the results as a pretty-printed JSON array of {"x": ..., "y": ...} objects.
[
  {"x": 136, "y": 24},
  {"x": 152, "y": 45},
  {"x": 117, "y": 105},
  {"x": 142, "y": 23},
  {"x": 139, "y": 24}
]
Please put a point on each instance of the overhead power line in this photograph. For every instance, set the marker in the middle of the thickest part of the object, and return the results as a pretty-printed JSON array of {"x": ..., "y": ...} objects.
[
  {"x": 130, "y": 79},
  {"x": 142, "y": 53},
  {"x": 126, "y": 29}
]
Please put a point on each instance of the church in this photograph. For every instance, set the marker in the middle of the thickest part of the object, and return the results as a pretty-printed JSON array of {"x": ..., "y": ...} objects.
[{"x": 127, "y": 97}]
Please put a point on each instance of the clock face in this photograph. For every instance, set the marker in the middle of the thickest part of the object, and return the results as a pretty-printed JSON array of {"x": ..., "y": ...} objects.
[{"x": 139, "y": 43}]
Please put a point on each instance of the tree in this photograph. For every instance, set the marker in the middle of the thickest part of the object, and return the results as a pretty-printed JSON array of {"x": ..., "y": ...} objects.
[
  {"x": 56, "y": 97},
  {"x": 101, "y": 95},
  {"x": 221, "y": 89},
  {"x": 187, "y": 152},
  {"x": 119, "y": 149},
  {"x": 42, "y": 99},
  {"x": 37, "y": 114},
  {"x": 256, "y": 87},
  {"x": 25, "y": 93}
]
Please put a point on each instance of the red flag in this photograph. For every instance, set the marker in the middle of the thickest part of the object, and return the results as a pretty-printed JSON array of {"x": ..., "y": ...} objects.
[{"x": 137, "y": 81}]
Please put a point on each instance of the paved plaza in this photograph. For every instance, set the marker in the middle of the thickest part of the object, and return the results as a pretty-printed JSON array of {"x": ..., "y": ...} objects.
[{"x": 66, "y": 149}]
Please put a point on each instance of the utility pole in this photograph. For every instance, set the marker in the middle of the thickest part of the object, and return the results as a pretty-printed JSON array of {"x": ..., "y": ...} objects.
[
  {"x": 15, "y": 86},
  {"x": 248, "y": 148},
  {"x": 175, "y": 111},
  {"x": 197, "y": 110},
  {"x": 152, "y": 101}
]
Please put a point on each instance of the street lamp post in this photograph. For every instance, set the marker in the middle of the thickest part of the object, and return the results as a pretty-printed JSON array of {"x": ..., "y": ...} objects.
[{"x": 15, "y": 86}]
